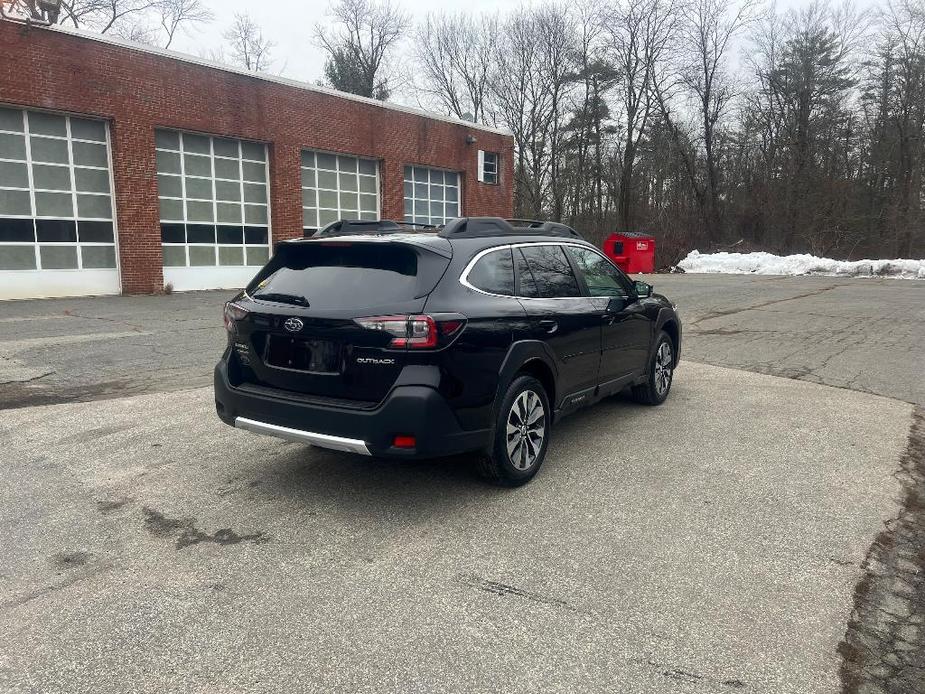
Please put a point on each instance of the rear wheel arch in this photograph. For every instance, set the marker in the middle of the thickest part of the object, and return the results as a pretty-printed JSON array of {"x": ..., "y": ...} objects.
[
  {"x": 542, "y": 373},
  {"x": 530, "y": 357}
]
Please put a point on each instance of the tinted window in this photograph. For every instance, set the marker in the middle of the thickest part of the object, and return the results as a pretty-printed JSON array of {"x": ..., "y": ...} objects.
[
  {"x": 349, "y": 275},
  {"x": 527, "y": 285},
  {"x": 602, "y": 278},
  {"x": 494, "y": 273},
  {"x": 550, "y": 274}
]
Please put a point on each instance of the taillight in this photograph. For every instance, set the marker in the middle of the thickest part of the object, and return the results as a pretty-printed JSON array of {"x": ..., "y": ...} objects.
[
  {"x": 412, "y": 332},
  {"x": 233, "y": 313}
]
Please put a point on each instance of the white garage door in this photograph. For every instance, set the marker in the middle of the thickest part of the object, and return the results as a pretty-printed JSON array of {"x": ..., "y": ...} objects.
[
  {"x": 57, "y": 227},
  {"x": 215, "y": 214},
  {"x": 337, "y": 186}
]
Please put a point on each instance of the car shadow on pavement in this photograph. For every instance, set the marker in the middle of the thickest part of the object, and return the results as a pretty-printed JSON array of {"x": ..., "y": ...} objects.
[{"x": 357, "y": 484}]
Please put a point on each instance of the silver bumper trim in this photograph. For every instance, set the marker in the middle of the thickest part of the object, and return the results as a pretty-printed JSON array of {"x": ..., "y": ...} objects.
[{"x": 338, "y": 443}]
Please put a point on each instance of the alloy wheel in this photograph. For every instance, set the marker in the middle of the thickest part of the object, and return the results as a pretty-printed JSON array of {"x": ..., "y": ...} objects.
[
  {"x": 663, "y": 370},
  {"x": 526, "y": 427}
]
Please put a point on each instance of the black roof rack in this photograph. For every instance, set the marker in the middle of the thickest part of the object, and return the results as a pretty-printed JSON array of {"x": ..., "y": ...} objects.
[
  {"x": 345, "y": 227},
  {"x": 474, "y": 227}
]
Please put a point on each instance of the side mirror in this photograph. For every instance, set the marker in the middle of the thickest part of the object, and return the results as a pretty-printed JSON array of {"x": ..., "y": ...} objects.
[{"x": 643, "y": 290}]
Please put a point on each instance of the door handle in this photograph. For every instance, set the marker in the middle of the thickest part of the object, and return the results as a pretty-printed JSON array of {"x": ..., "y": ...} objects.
[{"x": 549, "y": 326}]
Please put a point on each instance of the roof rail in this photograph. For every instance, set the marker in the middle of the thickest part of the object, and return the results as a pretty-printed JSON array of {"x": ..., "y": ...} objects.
[
  {"x": 473, "y": 227},
  {"x": 345, "y": 227},
  {"x": 553, "y": 228}
]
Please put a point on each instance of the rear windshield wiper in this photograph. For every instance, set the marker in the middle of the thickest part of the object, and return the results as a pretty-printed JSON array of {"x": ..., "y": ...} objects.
[{"x": 294, "y": 299}]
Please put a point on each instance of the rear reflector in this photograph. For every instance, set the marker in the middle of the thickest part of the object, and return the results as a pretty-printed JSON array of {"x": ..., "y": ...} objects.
[{"x": 404, "y": 442}]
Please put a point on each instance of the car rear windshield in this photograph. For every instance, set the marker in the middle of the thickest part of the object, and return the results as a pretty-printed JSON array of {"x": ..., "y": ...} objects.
[{"x": 341, "y": 275}]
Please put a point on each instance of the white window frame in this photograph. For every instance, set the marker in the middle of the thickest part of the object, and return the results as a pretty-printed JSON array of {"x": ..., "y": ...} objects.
[
  {"x": 339, "y": 210},
  {"x": 412, "y": 217},
  {"x": 493, "y": 177},
  {"x": 213, "y": 179},
  {"x": 71, "y": 168}
]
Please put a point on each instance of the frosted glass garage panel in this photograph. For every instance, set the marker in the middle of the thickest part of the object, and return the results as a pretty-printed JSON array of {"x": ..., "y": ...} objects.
[
  {"x": 57, "y": 222},
  {"x": 432, "y": 196},
  {"x": 338, "y": 186},
  {"x": 214, "y": 208}
]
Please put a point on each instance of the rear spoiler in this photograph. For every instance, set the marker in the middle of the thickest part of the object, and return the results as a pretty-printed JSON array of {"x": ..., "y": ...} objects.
[{"x": 425, "y": 242}]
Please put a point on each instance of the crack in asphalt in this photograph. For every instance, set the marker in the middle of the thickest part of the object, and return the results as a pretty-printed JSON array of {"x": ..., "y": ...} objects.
[
  {"x": 883, "y": 649},
  {"x": 76, "y": 566},
  {"x": 733, "y": 311},
  {"x": 19, "y": 381},
  {"x": 136, "y": 328},
  {"x": 502, "y": 589},
  {"x": 690, "y": 676}
]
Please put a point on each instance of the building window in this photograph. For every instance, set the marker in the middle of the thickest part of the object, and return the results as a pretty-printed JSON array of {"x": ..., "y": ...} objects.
[
  {"x": 55, "y": 193},
  {"x": 214, "y": 200},
  {"x": 336, "y": 186},
  {"x": 431, "y": 195},
  {"x": 488, "y": 167}
]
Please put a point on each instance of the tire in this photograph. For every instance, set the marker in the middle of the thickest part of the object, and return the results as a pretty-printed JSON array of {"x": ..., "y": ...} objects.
[
  {"x": 660, "y": 373},
  {"x": 519, "y": 447}
]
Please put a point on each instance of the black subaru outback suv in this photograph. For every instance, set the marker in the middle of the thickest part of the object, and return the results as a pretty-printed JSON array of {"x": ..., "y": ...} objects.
[{"x": 477, "y": 336}]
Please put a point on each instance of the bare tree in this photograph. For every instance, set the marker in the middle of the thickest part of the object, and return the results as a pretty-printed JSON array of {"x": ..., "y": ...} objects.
[
  {"x": 896, "y": 98},
  {"x": 176, "y": 14},
  {"x": 139, "y": 20},
  {"x": 249, "y": 49},
  {"x": 534, "y": 69},
  {"x": 41, "y": 11},
  {"x": 454, "y": 56},
  {"x": 100, "y": 15},
  {"x": 364, "y": 34},
  {"x": 640, "y": 32},
  {"x": 707, "y": 31}
]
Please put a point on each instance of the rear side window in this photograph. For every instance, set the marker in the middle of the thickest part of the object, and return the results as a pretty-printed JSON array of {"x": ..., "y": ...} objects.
[
  {"x": 494, "y": 273},
  {"x": 347, "y": 275},
  {"x": 548, "y": 275}
]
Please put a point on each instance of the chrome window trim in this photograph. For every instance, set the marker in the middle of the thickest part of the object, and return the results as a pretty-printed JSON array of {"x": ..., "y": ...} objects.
[{"x": 464, "y": 276}]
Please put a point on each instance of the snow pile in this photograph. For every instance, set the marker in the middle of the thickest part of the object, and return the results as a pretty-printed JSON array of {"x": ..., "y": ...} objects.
[{"x": 770, "y": 264}]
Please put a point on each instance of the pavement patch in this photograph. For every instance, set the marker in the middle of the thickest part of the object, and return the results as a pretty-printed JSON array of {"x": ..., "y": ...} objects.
[{"x": 884, "y": 645}]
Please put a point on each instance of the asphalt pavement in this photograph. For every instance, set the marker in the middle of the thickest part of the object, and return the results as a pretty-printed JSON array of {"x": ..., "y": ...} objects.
[
  {"x": 713, "y": 544},
  {"x": 863, "y": 334},
  {"x": 754, "y": 533}
]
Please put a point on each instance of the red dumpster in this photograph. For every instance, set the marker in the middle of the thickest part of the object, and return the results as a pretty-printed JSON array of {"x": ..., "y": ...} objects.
[{"x": 632, "y": 251}]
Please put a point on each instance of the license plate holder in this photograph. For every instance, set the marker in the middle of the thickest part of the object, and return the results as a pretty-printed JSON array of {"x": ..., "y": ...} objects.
[{"x": 305, "y": 356}]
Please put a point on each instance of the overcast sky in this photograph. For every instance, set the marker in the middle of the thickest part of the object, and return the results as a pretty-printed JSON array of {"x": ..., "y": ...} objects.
[{"x": 290, "y": 24}]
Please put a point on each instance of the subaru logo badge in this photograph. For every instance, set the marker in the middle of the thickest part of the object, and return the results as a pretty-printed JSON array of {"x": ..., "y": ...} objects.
[{"x": 293, "y": 325}]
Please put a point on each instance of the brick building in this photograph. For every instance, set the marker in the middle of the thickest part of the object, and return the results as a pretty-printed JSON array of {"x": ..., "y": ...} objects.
[{"x": 124, "y": 167}]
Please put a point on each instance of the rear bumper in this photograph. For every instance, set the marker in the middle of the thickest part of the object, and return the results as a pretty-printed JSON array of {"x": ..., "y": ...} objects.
[{"x": 409, "y": 410}]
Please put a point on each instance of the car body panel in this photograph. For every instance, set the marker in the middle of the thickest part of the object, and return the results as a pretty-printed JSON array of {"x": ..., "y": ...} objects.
[{"x": 583, "y": 347}]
